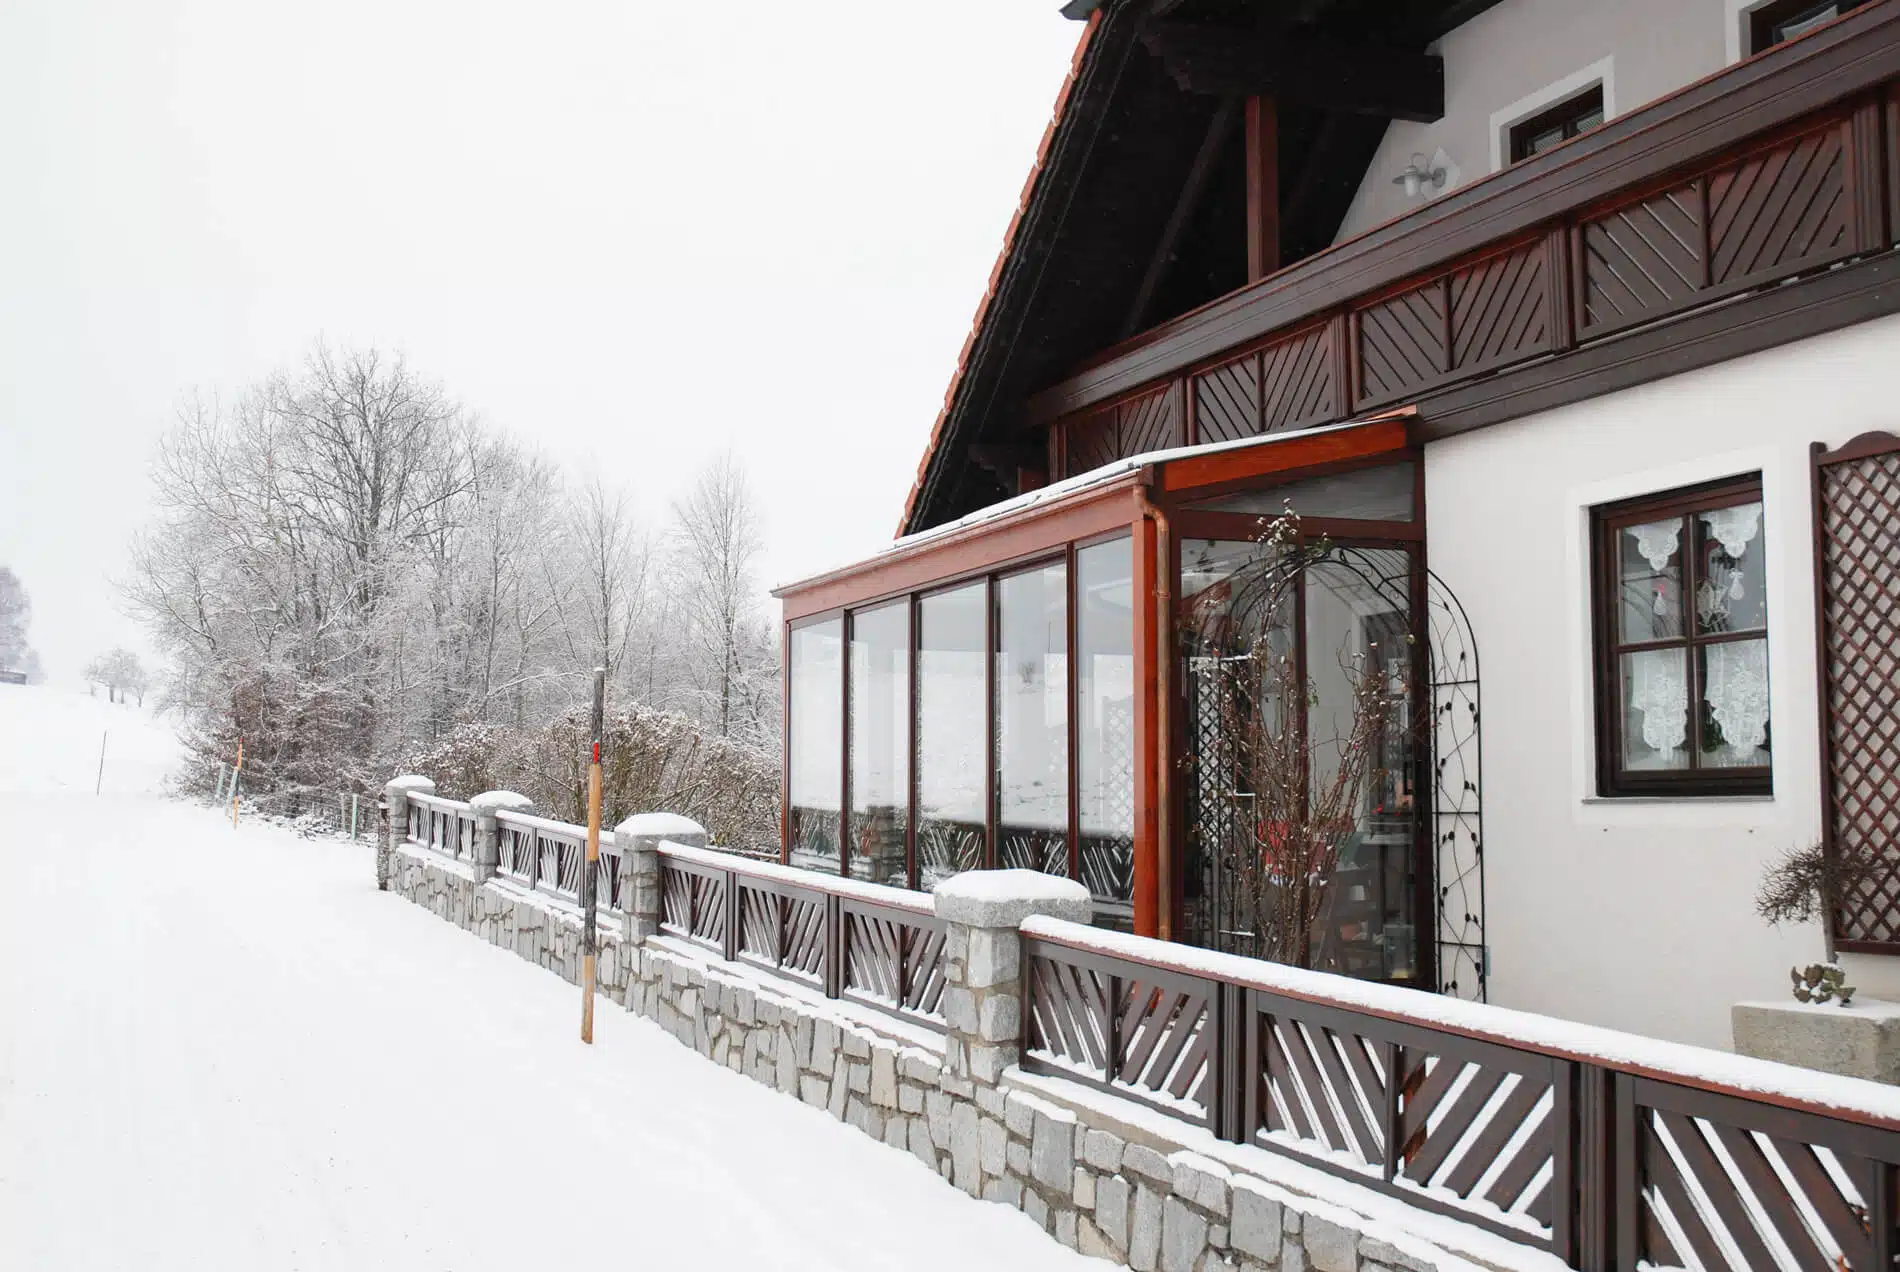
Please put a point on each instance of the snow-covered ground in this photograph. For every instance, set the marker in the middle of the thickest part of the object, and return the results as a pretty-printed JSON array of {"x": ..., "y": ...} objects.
[{"x": 224, "y": 1050}]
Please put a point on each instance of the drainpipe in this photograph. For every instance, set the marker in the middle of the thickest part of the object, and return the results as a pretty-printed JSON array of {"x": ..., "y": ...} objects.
[{"x": 1164, "y": 715}]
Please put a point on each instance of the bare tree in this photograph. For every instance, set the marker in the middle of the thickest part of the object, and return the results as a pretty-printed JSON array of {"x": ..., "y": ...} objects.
[
  {"x": 347, "y": 567},
  {"x": 121, "y": 674},
  {"x": 717, "y": 544},
  {"x": 610, "y": 554}
]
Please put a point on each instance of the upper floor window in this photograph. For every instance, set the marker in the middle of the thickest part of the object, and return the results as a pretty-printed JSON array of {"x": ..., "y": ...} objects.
[
  {"x": 1569, "y": 118},
  {"x": 1782, "y": 20},
  {"x": 1682, "y": 643}
]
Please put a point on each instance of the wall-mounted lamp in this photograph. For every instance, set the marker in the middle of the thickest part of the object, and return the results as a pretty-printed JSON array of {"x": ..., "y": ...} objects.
[{"x": 1422, "y": 177}]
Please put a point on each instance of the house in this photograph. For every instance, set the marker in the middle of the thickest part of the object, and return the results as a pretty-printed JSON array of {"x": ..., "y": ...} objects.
[{"x": 1569, "y": 333}]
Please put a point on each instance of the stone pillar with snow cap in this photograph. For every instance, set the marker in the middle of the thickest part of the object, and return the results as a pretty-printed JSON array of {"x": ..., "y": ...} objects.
[
  {"x": 983, "y": 962},
  {"x": 396, "y": 796},
  {"x": 488, "y": 830},
  {"x": 639, "y": 838}
]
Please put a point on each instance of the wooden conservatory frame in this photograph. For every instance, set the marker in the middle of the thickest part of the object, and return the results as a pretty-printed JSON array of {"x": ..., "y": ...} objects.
[{"x": 1144, "y": 498}]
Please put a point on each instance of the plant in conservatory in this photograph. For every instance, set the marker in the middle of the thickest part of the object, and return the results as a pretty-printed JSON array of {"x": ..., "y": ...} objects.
[
  {"x": 1811, "y": 883},
  {"x": 1299, "y": 788}
]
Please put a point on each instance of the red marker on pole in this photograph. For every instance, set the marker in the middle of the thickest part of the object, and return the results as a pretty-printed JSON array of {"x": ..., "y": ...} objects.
[{"x": 590, "y": 870}]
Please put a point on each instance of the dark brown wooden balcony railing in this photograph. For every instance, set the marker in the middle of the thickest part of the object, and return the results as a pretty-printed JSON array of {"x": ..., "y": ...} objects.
[
  {"x": 1554, "y": 280},
  {"x": 866, "y": 944},
  {"x": 1608, "y": 1150}
]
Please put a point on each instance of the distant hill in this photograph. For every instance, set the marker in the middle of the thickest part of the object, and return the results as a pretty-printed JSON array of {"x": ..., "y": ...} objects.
[{"x": 49, "y": 741}]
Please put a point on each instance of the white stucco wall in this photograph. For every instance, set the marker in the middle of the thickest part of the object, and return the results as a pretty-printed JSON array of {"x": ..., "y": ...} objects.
[
  {"x": 1521, "y": 56},
  {"x": 1639, "y": 914}
]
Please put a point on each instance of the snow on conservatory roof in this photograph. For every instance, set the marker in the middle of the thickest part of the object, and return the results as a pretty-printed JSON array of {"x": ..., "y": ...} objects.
[{"x": 1069, "y": 487}]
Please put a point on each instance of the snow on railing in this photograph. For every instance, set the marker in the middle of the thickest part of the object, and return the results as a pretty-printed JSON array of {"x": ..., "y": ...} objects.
[
  {"x": 861, "y": 942},
  {"x": 1605, "y": 1148}
]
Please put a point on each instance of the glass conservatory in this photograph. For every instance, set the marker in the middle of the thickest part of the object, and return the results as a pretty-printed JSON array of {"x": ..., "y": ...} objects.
[{"x": 1151, "y": 679}]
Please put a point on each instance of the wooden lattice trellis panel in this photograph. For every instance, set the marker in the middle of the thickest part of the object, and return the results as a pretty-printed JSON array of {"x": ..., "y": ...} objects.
[{"x": 1857, "y": 556}]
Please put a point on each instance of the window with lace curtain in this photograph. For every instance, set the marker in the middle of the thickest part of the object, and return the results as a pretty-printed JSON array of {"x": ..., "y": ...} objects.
[{"x": 1682, "y": 643}]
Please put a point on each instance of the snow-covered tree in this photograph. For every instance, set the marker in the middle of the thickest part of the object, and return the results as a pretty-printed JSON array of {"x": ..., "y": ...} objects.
[
  {"x": 348, "y": 568},
  {"x": 717, "y": 542},
  {"x": 120, "y": 673},
  {"x": 16, "y": 615}
]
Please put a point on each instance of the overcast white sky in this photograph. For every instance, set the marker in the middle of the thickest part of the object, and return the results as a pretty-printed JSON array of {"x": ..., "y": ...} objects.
[{"x": 634, "y": 233}]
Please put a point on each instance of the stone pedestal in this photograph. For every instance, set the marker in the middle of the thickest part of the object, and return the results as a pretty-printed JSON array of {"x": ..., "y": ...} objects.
[
  {"x": 396, "y": 792},
  {"x": 983, "y": 963},
  {"x": 488, "y": 830},
  {"x": 1859, "y": 1041},
  {"x": 639, "y": 839}
]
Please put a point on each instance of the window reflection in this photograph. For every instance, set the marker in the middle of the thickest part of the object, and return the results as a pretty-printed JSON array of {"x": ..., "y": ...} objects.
[
  {"x": 1032, "y": 720},
  {"x": 952, "y": 689},
  {"x": 1105, "y": 725},
  {"x": 880, "y": 742},
  {"x": 817, "y": 743}
]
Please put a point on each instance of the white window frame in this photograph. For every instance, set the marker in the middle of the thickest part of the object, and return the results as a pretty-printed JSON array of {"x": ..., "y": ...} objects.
[{"x": 1602, "y": 71}]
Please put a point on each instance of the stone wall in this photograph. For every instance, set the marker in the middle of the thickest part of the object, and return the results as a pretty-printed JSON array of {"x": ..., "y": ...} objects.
[
  {"x": 1132, "y": 1186},
  {"x": 538, "y": 928}
]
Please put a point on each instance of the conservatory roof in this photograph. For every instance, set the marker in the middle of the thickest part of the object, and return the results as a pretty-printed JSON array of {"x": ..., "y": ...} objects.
[{"x": 1109, "y": 493}]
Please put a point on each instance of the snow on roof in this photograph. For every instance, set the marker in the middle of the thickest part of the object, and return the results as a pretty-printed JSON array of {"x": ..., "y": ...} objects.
[{"x": 1068, "y": 486}]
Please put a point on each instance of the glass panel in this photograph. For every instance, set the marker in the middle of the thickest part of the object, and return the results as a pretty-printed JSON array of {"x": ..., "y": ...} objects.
[
  {"x": 1732, "y": 595},
  {"x": 817, "y": 743},
  {"x": 880, "y": 743},
  {"x": 1032, "y": 720},
  {"x": 1649, "y": 575},
  {"x": 1105, "y": 720},
  {"x": 1655, "y": 710},
  {"x": 1805, "y": 21},
  {"x": 1358, "y": 674},
  {"x": 1273, "y": 809},
  {"x": 1735, "y": 704},
  {"x": 1232, "y": 596},
  {"x": 952, "y": 732},
  {"x": 1543, "y": 141},
  {"x": 1371, "y": 494}
]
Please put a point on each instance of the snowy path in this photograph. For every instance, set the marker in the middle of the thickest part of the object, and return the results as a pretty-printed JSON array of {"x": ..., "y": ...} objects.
[{"x": 225, "y": 1050}]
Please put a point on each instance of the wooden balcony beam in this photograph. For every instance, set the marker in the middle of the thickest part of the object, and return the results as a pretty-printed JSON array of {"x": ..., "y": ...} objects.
[{"x": 1359, "y": 79}]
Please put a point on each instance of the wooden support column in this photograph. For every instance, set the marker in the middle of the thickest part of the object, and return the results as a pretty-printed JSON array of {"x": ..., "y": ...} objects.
[{"x": 1263, "y": 187}]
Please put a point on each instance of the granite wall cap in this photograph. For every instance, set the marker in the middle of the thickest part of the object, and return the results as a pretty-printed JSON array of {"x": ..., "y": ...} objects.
[
  {"x": 411, "y": 782},
  {"x": 1004, "y": 898}
]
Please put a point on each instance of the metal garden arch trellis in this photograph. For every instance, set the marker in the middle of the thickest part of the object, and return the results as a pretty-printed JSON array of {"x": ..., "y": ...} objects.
[{"x": 1442, "y": 736}]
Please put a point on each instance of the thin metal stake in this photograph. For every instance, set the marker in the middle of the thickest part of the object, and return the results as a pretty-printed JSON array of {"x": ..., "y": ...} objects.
[
  {"x": 590, "y": 937},
  {"x": 100, "y": 781}
]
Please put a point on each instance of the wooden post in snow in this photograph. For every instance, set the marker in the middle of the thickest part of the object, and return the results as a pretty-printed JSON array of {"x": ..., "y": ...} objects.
[
  {"x": 234, "y": 783},
  {"x": 590, "y": 868}
]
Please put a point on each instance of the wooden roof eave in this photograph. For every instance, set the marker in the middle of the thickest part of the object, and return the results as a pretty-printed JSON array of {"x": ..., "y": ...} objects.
[{"x": 1086, "y": 506}]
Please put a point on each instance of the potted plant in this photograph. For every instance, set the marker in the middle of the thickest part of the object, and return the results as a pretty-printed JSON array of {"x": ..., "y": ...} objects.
[{"x": 1813, "y": 883}]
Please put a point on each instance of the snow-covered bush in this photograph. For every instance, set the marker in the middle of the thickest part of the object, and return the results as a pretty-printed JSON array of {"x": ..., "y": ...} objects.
[{"x": 651, "y": 761}]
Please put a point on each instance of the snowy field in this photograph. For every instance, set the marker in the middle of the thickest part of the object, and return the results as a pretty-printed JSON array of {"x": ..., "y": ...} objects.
[{"x": 224, "y": 1051}]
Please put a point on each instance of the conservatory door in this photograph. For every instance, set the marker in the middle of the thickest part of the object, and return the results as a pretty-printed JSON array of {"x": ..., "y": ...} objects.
[{"x": 1299, "y": 683}]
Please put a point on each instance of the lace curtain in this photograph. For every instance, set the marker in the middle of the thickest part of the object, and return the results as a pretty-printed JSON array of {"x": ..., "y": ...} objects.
[
  {"x": 1734, "y": 673},
  {"x": 1735, "y": 684},
  {"x": 1659, "y": 691}
]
